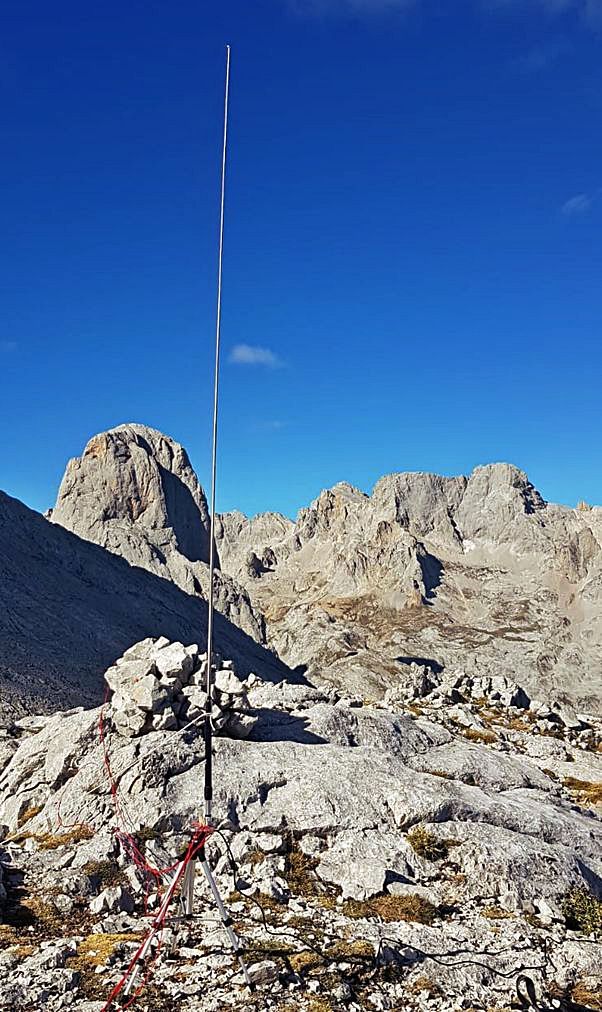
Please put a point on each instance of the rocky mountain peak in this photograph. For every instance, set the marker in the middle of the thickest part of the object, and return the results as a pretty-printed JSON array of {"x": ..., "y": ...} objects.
[
  {"x": 422, "y": 503},
  {"x": 506, "y": 481},
  {"x": 475, "y": 570},
  {"x": 330, "y": 509},
  {"x": 134, "y": 492},
  {"x": 136, "y": 474}
]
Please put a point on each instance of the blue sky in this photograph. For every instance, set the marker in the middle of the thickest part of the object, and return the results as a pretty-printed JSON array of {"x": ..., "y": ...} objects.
[{"x": 413, "y": 238}]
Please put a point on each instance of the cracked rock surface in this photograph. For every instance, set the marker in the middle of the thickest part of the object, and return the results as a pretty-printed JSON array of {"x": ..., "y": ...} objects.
[{"x": 412, "y": 853}]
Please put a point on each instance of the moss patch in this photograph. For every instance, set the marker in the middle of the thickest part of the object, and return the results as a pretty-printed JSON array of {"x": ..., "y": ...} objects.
[
  {"x": 146, "y": 833},
  {"x": 37, "y": 916},
  {"x": 35, "y": 913},
  {"x": 9, "y": 936},
  {"x": 28, "y": 814},
  {"x": 496, "y": 913},
  {"x": 302, "y": 962},
  {"x": 254, "y": 857},
  {"x": 50, "y": 841},
  {"x": 106, "y": 873},
  {"x": 586, "y": 993},
  {"x": 584, "y": 791},
  {"x": 392, "y": 908},
  {"x": 473, "y": 734},
  {"x": 92, "y": 952},
  {"x": 300, "y": 871},
  {"x": 95, "y": 950},
  {"x": 424, "y": 983}
]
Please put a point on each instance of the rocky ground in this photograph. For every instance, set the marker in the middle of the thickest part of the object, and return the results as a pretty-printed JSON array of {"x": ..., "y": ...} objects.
[{"x": 420, "y": 852}]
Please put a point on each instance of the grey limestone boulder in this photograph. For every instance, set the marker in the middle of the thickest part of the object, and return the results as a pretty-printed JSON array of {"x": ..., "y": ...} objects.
[{"x": 111, "y": 900}]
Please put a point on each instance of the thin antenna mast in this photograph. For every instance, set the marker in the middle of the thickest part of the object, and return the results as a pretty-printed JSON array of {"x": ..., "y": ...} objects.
[
  {"x": 218, "y": 325},
  {"x": 184, "y": 871}
]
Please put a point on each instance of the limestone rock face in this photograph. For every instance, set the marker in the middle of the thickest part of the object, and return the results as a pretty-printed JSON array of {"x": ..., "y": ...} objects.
[
  {"x": 475, "y": 572},
  {"x": 240, "y": 537},
  {"x": 136, "y": 478},
  {"x": 423, "y": 504},
  {"x": 134, "y": 492}
]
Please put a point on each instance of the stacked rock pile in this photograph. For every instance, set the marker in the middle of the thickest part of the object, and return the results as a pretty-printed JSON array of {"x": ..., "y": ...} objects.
[
  {"x": 158, "y": 685},
  {"x": 460, "y": 696},
  {"x": 455, "y": 686}
]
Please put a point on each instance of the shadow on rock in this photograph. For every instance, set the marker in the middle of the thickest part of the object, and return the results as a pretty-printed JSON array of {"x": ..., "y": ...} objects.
[{"x": 275, "y": 725}]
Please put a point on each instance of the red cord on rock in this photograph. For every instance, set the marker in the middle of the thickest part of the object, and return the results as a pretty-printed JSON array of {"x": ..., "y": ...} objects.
[
  {"x": 200, "y": 835},
  {"x": 198, "y": 840}
]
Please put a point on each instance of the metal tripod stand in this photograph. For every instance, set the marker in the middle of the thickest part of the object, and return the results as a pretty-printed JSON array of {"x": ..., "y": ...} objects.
[
  {"x": 188, "y": 899},
  {"x": 184, "y": 876}
]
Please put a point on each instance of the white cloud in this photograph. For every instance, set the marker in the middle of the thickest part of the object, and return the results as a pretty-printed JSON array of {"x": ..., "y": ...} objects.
[
  {"x": 588, "y": 11},
  {"x": 8, "y": 346},
  {"x": 581, "y": 203},
  {"x": 252, "y": 354},
  {"x": 540, "y": 57},
  {"x": 353, "y": 7},
  {"x": 269, "y": 425}
]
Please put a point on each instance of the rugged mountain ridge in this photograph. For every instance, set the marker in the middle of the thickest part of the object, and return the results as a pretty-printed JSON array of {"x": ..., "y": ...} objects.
[{"x": 475, "y": 572}]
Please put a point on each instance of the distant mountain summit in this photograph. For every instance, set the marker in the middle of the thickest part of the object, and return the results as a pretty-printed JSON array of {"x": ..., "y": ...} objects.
[
  {"x": 477, "y": 573},
  {"x": 135, "y": 477}
]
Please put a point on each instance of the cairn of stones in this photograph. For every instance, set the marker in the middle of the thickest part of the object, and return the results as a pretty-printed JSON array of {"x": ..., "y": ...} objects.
[{"x": 161, "y": 686}]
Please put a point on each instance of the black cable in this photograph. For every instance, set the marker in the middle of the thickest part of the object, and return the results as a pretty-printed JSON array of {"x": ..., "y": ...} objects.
[{"x": 441, "y": 958}]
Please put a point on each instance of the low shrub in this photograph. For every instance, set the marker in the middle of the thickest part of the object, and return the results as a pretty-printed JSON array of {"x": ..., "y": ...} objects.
[
  {"x": 427, "y": 845},
  {"x": 582, "y": 911}
]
